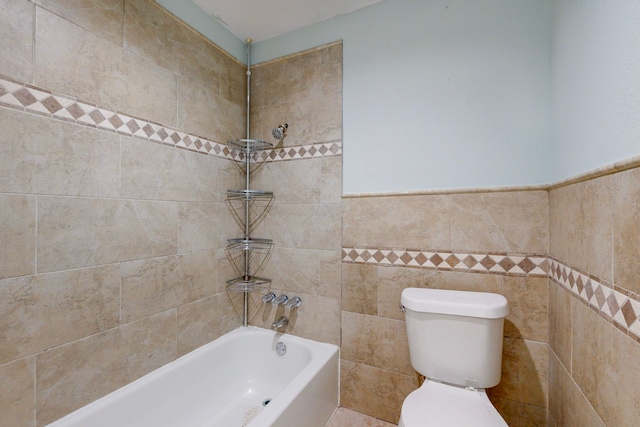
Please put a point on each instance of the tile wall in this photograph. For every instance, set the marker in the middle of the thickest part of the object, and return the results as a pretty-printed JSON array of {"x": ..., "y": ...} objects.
[
  {"x": 594, "y": 302},
  {"x": 112, "y": 235},
  {"x": 304, "y": 91},
  {"x": 490, "y": 242}
]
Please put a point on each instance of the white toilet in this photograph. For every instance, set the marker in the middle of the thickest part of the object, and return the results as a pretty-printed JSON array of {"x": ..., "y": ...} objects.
[{"x": 455, "y": 341}]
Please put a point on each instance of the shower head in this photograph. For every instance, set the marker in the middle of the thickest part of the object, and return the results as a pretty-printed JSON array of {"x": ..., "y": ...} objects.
[{"x": 280, "y": 132}]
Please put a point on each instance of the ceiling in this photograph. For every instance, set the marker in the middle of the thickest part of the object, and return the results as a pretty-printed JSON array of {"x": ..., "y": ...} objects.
[{"x": 264, "y": 19}]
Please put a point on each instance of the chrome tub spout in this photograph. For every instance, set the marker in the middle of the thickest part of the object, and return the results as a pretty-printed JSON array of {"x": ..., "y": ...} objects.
[{"x": 282, "y": 322}]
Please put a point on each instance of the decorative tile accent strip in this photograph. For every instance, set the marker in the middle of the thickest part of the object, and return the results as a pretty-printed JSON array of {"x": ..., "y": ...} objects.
[
  {"x": 598, "y": 294},
  {"x": 620, "y": 307},
  {"x": 493, "y": 263},
  {"x": 25, "y": 97}
]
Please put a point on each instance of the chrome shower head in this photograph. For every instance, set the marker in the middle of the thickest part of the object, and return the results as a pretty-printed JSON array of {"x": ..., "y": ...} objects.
[{"x": 280, "y": 132}]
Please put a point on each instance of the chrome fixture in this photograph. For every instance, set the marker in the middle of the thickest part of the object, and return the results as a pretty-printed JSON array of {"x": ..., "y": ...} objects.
[
  {"x": 294, "y": 302},
  {"x": 282, "y": 322},
  {"x": 282, "y": 299},
  {"x": 280, "y": 132},
  {"x": 268, "y": 298}
]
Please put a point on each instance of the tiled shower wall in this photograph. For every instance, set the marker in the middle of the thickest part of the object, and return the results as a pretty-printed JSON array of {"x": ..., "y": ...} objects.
[
  {"x": 492, "y": 242},
  {"x": 110, "y": 234},
  {"x": 305, "y": 91}
]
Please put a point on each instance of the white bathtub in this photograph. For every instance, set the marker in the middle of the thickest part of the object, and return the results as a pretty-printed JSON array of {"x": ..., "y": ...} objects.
[{"x": 224, "y": 384}]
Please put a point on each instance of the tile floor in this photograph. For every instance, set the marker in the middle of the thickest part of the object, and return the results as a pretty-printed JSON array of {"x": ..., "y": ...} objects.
[{"x": 347, "y": 418}]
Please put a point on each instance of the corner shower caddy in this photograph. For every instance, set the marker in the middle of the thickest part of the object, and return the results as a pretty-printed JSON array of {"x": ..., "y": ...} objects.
[{"x": 248, "y": 256}]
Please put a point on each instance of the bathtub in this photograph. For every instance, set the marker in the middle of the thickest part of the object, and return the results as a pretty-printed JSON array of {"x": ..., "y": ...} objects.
[{"x": 238, "y": 380}]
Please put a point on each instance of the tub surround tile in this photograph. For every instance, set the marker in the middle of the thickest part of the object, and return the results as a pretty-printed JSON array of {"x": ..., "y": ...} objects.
[
  {"x": 17, "y": 232},
  {"x": 47, "y": 310},
  {"x": 320, "y": 230},
  {"x": 204, "y": 226},
  {"x": 74, "y": 375},
  {"x": 155, "y": 285},
  {"x": 102, "y": 17},
  {"x": 202, "y": 321},
  {"x": 76, "y": 233},
  {"x": 16, "y": 39},
  {"x": 75, "y": 61},
  {"x": 17, "y": 402},
  {"x": 185, "y": 176},
  {"x": 76, "y": 162}
]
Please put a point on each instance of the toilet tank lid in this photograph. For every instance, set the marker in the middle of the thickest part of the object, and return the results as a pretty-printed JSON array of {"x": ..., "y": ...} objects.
[{"x": 483, "y": 305}]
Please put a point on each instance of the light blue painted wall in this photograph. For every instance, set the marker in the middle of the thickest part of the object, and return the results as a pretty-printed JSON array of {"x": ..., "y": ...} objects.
[
  {"x": 596, "y": 84},
  {"x": 440, "y": 94}
]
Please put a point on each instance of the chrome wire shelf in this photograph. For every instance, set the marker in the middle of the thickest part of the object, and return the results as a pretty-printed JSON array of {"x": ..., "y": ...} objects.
[
  {"x": 249, "y": 205},
  {"x": 252, "y": 284},
  {"x": 249, "y": 256},
  {"x": 250, "y": 149}
]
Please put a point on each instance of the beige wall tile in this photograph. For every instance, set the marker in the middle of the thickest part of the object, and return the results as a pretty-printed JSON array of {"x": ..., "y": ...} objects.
[
  {"x": 230, "y": 177},
  {"x": 16, "y": 39},
  {"x": 39, "y": 312},
  {"x": 233, "y": 84},
  {"x": 76, "y": 374},
  {"x": 528, "y": 300},
  {"x": 564, "y": 226},
  {"x": 40, "y": 155},
  {"x": 147, "y": 30},
  {"x": 83, "y": 232},
  {"x": 360, "y": 288},
  {"x": 318, "y": 318},
  {"x": 303, "y": 226},
  {"x": 524, "y": 372},
  {"x": 301, "y": 271},
  {"x": 417, "y": 222},
  {"x": 17, "y": 402},
  {"x": 393, "y": 280},
  {"x": 76, "y": 62},
  {"x": 604, "y": 365},
  {"x": 307, "y": 181},
  {"x": 203, "y": 111},
  {"x": 158, "y": 284},
  {"x": 202, "y": 321},
  {"x": 518, "y": 414},
  {"x": 18, "y": 234},
  {"x": 102, "y": 17},
  {"x": 626, "y": 220},
  {"x": 502, "y": 222},
  {"x": 332, "y": 69},
  {"x": 184, "y": 176},
  {"x": 311, "y": 120},
  {"x": 560, "y": 319},
  {"x": 567, "y": 405},
  {"x": 205, "y": 226},
  {"x": 373, "y": 391},
  {"x": 376, "y": 341}
]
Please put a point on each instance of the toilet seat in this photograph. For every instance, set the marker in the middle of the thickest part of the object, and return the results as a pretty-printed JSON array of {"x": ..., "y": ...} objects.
[{"x": 440, "y": 405}]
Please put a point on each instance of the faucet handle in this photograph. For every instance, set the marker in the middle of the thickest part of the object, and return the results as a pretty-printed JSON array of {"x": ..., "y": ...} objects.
[
  {"x": 282, "y": 299},
  {"x": 294, "y": 302},
  {"x": 267, "y": 298}
]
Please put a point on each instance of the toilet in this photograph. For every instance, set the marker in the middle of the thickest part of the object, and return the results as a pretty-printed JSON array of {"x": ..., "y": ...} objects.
[{"x": 455, "y": 341}]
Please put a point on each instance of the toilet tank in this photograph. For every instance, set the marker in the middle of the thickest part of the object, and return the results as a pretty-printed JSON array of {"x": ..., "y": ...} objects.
[{"x": 455, "y": 336}]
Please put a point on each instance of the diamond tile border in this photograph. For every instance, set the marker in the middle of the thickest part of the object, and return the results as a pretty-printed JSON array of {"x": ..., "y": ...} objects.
[
  {"x": 618, "y": 306},
  {"x": 489, "y": 262},
  {"x": 21, "y": 96}
]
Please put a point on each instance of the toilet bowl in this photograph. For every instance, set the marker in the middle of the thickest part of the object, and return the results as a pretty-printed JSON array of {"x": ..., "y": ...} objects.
[
  {"x": 440, "y": 405},
  {"x": 455, "y": 341}
]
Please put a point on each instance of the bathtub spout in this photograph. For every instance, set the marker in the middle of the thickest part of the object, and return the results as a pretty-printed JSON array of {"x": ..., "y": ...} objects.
[{"x": 282, "y": 322}]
